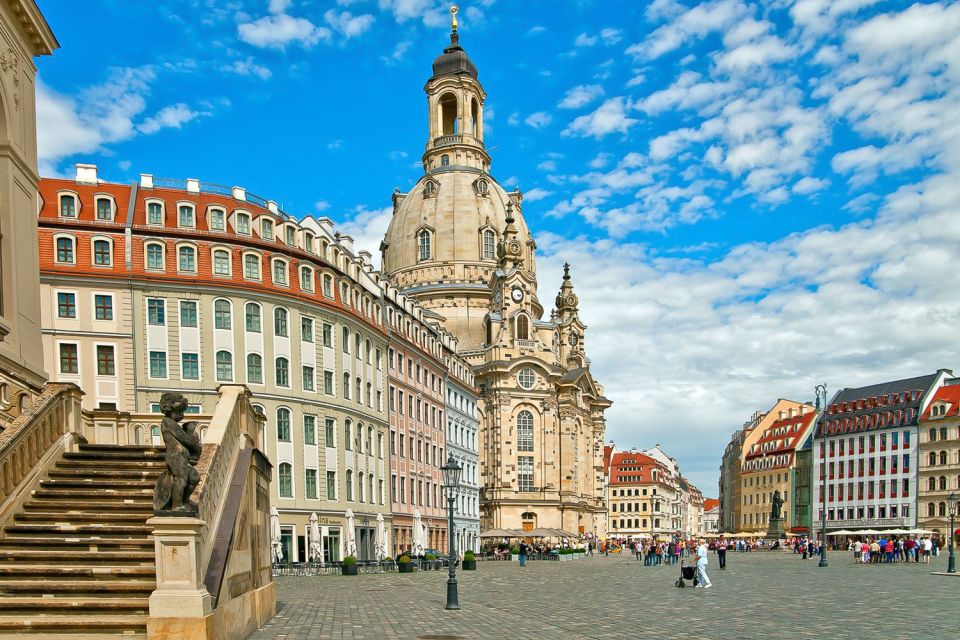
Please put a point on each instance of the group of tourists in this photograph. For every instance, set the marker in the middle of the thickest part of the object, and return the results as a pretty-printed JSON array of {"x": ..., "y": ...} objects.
[{"x": 893, "y": 549}]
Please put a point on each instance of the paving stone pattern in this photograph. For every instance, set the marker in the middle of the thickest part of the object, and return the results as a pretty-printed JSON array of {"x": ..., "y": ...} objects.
[{"x": 761, "y": 595}]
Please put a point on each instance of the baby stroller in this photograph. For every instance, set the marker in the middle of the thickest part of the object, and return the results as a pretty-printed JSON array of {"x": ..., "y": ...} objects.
[{"x": 687, "y": 572}]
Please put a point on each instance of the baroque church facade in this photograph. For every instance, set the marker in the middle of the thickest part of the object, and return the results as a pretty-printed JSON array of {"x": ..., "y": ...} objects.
[{"x": 458, "y": 243}]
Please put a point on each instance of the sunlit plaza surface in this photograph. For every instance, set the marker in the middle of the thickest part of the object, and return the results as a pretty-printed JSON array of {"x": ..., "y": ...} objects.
[{"x": 760, "y": 595}]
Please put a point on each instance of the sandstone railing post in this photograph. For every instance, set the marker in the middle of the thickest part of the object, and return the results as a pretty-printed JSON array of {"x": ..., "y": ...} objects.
[{"x": 180, "y": 595}]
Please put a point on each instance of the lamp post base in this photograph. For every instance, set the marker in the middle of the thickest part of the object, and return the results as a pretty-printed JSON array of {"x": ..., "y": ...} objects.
[{"x": 453, "y": 600}]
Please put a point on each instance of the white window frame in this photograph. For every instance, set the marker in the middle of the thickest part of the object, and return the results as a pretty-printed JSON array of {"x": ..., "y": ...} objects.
[
  {"x": 76, "y": 204},
  {"x": 163, "y": 211},
  {"x": 213, "y": 261},
  {"x": 163, "y": 255},
  {"x": 196, "y": 257},
  {"x": 93, "y": 255},
  {"x": 56, "y": 250},
  {"x": 113, "y": 207},
  {"x": 193, "y": 214}
]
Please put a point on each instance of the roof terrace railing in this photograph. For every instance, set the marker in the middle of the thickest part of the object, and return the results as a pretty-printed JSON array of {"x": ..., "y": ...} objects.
[{"x": 181, "y": 184}]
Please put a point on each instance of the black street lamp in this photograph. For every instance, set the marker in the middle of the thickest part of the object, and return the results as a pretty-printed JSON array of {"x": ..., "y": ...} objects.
[
  {"x": 821, "y": 391},
  {"x": 952, "y": 503},
  {"x": 451, "y": 481}
]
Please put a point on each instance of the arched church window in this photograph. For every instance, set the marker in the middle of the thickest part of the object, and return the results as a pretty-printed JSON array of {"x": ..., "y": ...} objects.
[
  {"x": 523, "y": 328},
  {"x": 489, "y": 245},
  {"x": 448, "y": 114},
  {"x": 423, "y": 242},
  {"x": 474, "y": 118},
  {"x": 524, "y": 431}
]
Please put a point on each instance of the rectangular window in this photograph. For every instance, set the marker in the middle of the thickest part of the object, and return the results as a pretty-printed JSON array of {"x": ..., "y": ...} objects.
[
  {"x": 186, "y": 216},
  {"x": 221, "y": 263},
  {"x": 188, "y": 313},
  {"x": 156, "y": 311},
  {"x": 306, "y": 329},
  {"x": 327, "y": 285},
  {"x": 103, "y": 307},
  {"x": 308, "y": 384},
  {"x": 331, "y": 485},
  {"x": 104, "y": 209},
  {"x": 68, "y": 207},
  {"x": 329, "y": 431},
  {"x": 154, "y": 213},
  {"x": 328, "y": 382},
  {"x": 190, "y": 366},
  {"x": 106, "y": 365},
  {"x": 906, "y": 441},
  {"x": 906, "y": 462},
  {"x": 525, "y": 473},
  {"x": 69, "y": 363},
  {"x": 66, "y": 305},
  {"x": 290, "y": 235},
  {"x": 266, "y": 230},
  {"x": 158, "y": 364},
  {"x": 327, "y": 335},
  {"x": 243, "y": 223},
  {"x": 311, "y": 481},
  {"x": 64, "y": 250}
]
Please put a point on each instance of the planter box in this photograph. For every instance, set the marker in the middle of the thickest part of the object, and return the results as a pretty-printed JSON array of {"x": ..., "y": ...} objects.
[
  {"x": 349, "y": 569},
  {"x": 469, "y": 565},
  {"x": 514, "y": 558},
  {"x": 405, "y": 567}
]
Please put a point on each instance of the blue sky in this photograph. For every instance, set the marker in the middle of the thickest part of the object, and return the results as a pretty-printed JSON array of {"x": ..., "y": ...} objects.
[{"x": 755, "y": 196}]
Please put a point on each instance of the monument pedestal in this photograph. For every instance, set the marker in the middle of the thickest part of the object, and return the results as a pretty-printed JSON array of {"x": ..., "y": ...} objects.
[{"x": 775, "y": 530}]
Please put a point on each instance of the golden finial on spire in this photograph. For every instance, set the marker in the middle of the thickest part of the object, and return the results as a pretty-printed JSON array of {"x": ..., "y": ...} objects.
[{"x": 454, "y": 9}]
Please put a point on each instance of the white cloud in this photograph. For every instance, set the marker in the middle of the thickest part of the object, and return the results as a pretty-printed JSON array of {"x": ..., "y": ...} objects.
[
  {"x": 809, "y": 185},
  {"x": 279, "y": 30},
  {"x": 513, "y": 119},
  {"x": 601, "y": 160},
  {"x": 536, "y": 194},
  {"x": 398, "y": 53},
  {"x": 347, "y": 24},
  {"x": 583, "y": 40},
  {"x": 611, "y": 36},
  {"x": 581, "y": 96},
  {"x": 170, "y": 117},
  {"x": 536, "y": 30},
  {"x": 278, "y": 6},
  {"x": 547, "y": 165},
  {"x": 610, "y": 117},
  {"x": 429, "y": 12},
  {"x": 693, "y": 24},
  {"x": 538, "y": 119},
  {"x": 248, "y": 67},
  {"x": 321, "y": 205},
  {"x": 367, "y": 228}
]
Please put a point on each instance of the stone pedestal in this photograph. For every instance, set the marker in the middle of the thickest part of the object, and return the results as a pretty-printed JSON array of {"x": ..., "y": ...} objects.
[
  {"x": 775, "y": 530},
  {"x": 180, "y": 590}
]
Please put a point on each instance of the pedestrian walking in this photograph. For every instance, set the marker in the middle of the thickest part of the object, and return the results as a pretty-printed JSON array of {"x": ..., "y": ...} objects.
[
  {"x": 523, "y": 554},
  {"x": 722, "y": 553},
  {"x": 702, "y": 566}
]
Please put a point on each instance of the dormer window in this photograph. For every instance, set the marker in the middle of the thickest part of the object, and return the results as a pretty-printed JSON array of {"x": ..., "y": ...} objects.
[
  {"x": 290, "y": 235},
  {"x": 308, "y": 242},
  {"x": 102, "y": 253},
  {"x": 154, "y": 213},
  {"x": 68, "y": 206},
  {"x": 187, "y": 259},
  {"x": 218, "y": 219},
  {"x": 279, "y": 272},
  {"x": 104, "y": 209},
  {"x": 266, "y": 229},
  {"x": 186, "y": 216},
  {"x": 430, "y": 189},
  {"x": 306, "y": 278},
  {"x": 251, "y": 266},
  {"x": 481, "y": 186},
  {"x": 221, "y": 262},
  {"x": 243, "y": 223}
]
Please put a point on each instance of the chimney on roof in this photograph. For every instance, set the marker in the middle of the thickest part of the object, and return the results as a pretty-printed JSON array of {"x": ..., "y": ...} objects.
[
  {"x": 272, "y": 207},
  {"x": 86, "y": 173},
  {"x": 366, "y": 258},
  {"x": 193, "y": 185},
  {"x": 782, "y": 414},
  {"x": 791, "y": 412},
  {"x": 346, "y": 242},
  {"x": 239, "y": 193},
  {"x": 146, "y": 180},
  {"x": 326, "y": 224}
]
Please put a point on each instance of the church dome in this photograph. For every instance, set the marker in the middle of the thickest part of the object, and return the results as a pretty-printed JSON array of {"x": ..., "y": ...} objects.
[{"x": 460, "y": 209}]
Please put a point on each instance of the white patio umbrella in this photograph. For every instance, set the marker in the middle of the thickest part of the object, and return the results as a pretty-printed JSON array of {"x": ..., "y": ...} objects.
[
  {"x": 417, "y": 543},
  {"x": 316, "y": 540},
  {"x": 350, "y": 535},
  {"x": 381, "y": 541},
  {"x": 275, "y": 536}
]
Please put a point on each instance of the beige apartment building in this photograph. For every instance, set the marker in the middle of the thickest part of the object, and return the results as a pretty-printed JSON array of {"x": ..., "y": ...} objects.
[
  {"x": 767, "y": 460},
  {"x": 157, "y": 287},
  {"x": 939, "y": 454}
]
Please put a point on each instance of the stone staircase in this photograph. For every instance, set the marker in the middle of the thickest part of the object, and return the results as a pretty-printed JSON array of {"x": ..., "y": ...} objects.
[{"x": 78, "y": 559}]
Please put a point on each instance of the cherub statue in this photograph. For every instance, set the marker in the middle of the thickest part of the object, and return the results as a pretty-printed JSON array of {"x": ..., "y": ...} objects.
[{"x": 179, "y": 479}]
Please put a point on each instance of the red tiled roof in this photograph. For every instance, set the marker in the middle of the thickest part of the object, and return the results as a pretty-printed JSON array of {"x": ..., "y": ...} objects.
[
  {"x": 710, "y": 503},
  {"x": 607, "y": 454},
  {"x": 796, "y": 425},
  {"x": 949, "y": 394},
  {"x": 634, "y": 465}
]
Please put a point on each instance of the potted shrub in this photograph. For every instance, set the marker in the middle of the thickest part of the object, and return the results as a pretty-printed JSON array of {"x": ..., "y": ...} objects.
[
  {"x": 350, "y": 566},
  {"x": 404, "y": 565},
  {"x": 430, "y": 561},
  {"x": 514, "y": 554},
  {"x": 469, "y": 561}
]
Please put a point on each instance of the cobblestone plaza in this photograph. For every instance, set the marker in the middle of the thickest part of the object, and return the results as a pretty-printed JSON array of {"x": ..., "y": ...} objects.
[{"x": 760, "y": 595}]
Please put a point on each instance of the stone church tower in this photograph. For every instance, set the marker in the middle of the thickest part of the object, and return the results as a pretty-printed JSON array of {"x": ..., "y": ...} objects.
[{"x": 458, "y": 243}]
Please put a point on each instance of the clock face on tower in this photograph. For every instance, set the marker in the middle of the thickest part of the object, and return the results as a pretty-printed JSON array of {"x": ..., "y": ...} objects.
[{"x": 517, "y": 294}]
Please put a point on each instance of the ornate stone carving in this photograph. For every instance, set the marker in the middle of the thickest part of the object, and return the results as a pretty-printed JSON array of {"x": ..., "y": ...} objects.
[{"x": 171, "y": 495}]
